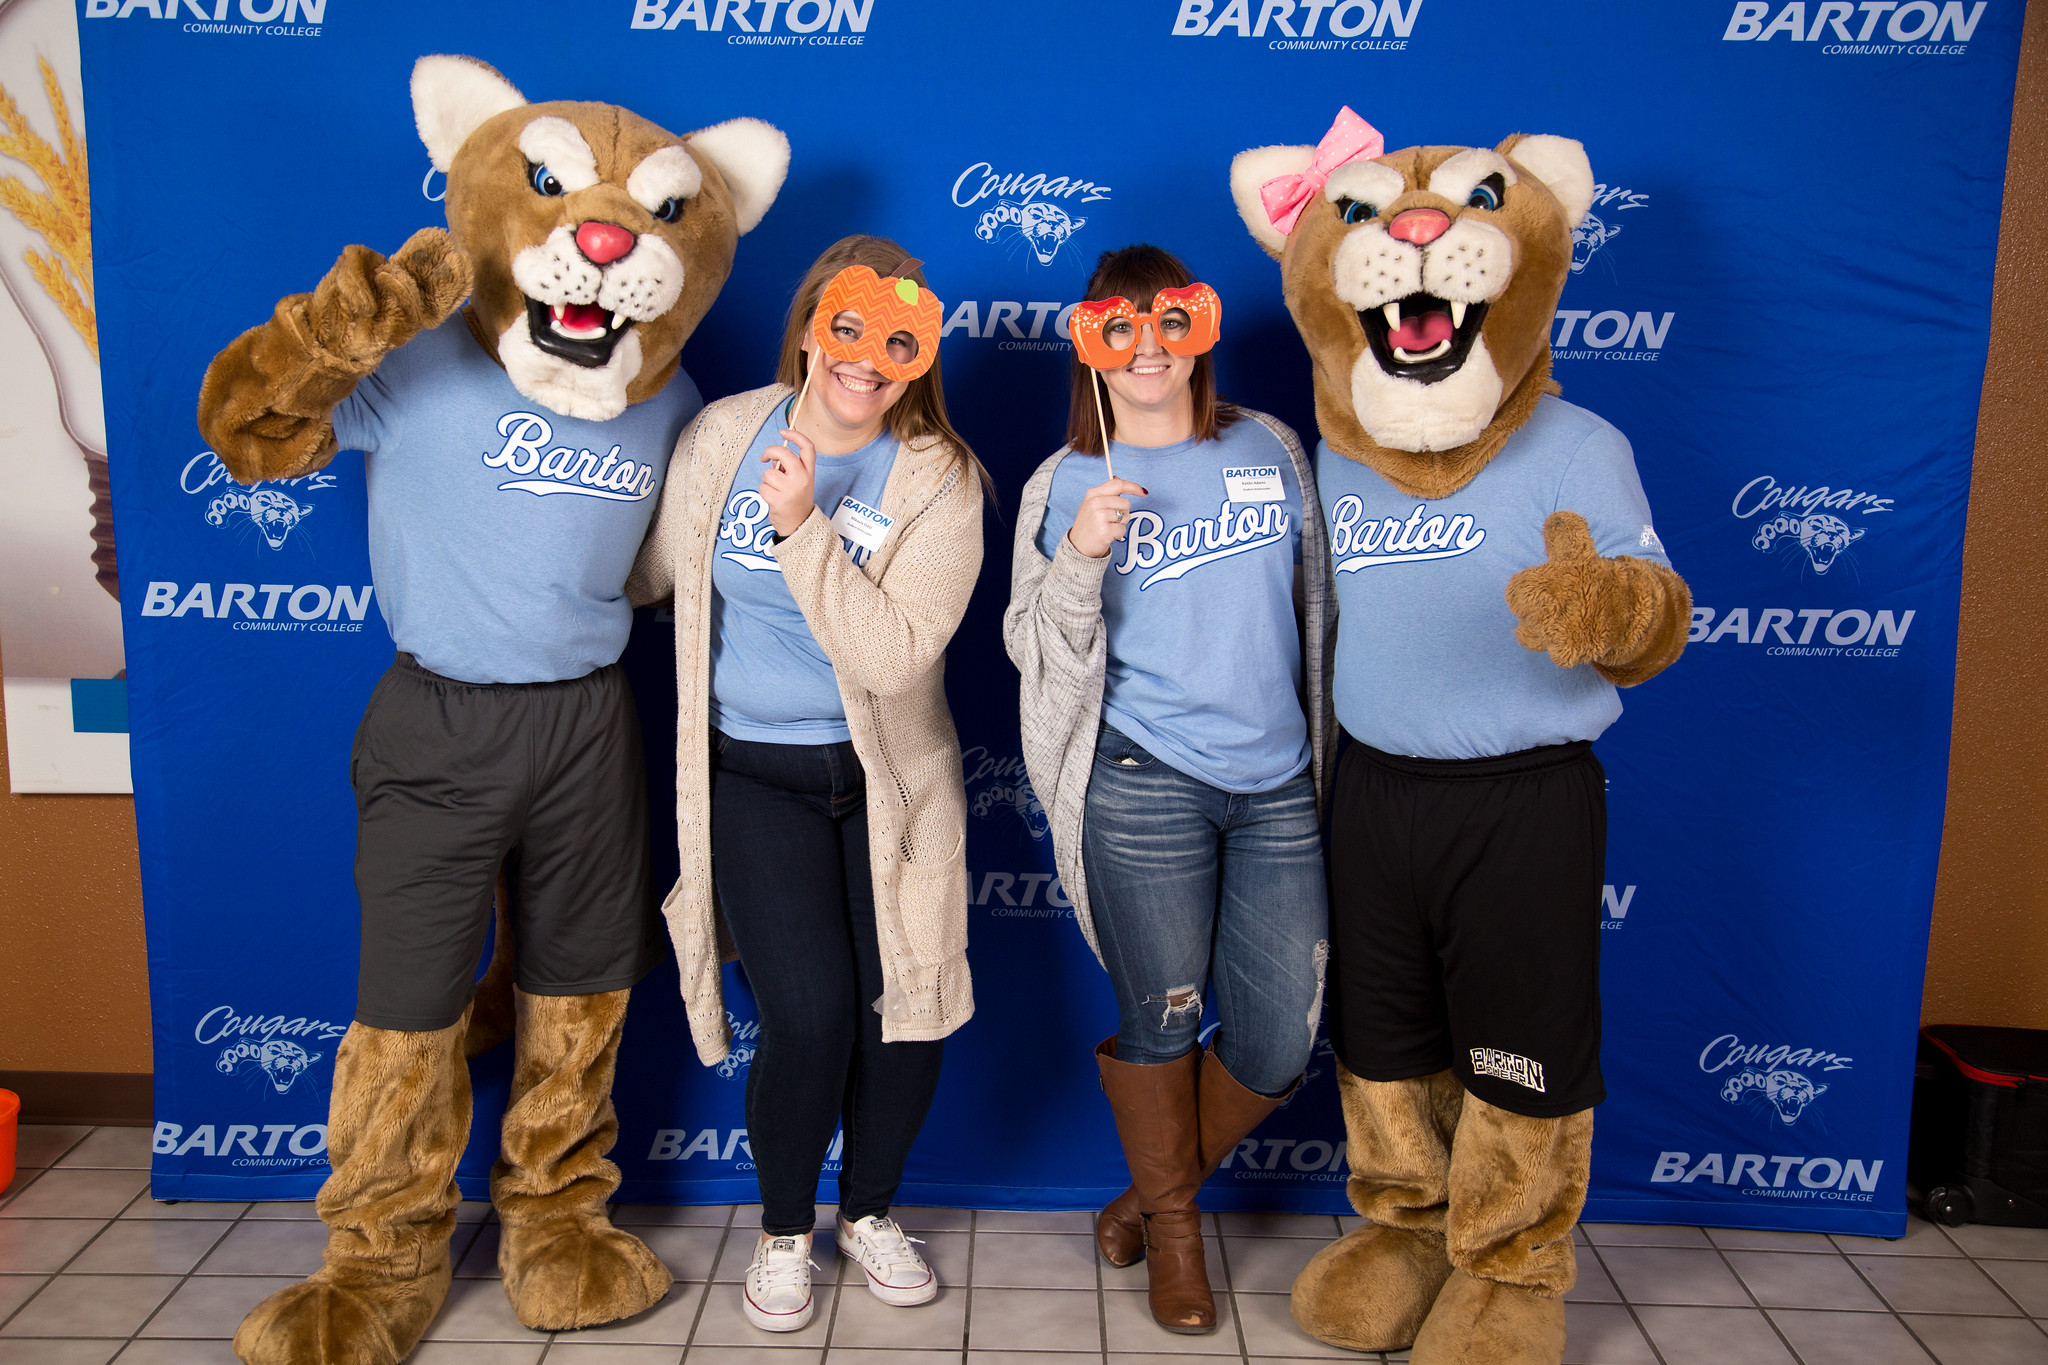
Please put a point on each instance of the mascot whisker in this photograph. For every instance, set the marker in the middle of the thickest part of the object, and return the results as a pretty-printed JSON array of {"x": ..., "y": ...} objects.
[
  {"x": 1498, "y": 577},
  {"x": 515, "y": 445}
]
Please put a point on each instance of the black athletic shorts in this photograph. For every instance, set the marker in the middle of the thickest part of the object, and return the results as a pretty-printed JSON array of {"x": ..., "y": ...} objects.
[
  {"x": 454, "y": 780},
  {"x": 1465, "y": 922}
]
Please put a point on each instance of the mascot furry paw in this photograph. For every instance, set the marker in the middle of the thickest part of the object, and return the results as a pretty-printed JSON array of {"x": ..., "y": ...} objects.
[
  {"x": 1498, "y": 576},
  {"x": 515, "y": 447}
]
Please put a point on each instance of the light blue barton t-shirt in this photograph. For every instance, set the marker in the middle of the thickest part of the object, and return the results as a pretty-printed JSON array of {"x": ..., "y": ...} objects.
[
  {"x": 1204, "y": 663},
  {"x": 1427, "y": 660},
  {"x": 770, "y": 681},
  {"x": 501, "y": 533}
]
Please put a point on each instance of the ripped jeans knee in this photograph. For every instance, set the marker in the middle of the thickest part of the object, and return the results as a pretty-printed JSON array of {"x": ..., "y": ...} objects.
[{"x": 1162, "y": 1025}]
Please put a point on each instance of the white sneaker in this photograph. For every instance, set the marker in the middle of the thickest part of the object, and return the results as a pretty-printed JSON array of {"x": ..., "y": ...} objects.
[
  {"x": 777, "y": 1291},
  {"x": 897, "y": 1275}
]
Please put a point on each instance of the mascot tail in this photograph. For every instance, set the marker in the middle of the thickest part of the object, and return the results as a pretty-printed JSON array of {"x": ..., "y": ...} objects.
[{"x": 490, "y": 1016}]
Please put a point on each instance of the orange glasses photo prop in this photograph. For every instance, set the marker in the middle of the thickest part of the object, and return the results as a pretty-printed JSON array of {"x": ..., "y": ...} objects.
[
  {"x": 893, "y": 319},
  {"x": 1187, "y": 321}
]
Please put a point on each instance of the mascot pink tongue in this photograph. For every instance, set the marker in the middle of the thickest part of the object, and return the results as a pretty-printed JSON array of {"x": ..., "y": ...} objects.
[
  {"x": 514, "y": 385},
  {"x": 1498, "y": 577}
]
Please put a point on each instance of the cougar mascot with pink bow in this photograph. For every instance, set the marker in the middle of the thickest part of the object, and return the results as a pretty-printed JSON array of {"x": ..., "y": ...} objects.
[{"x": 1498, "y": 578}]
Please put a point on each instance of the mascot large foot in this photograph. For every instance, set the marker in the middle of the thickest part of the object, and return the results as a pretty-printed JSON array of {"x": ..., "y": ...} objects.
[
  {"x": 396, "y": 1126},
  {"x": 1517, "y": 1185},
  {"x": 565, "y": 1265},
  {"x": 1225, "y": 1112},
  {"x": 1371, "y": 1289}
]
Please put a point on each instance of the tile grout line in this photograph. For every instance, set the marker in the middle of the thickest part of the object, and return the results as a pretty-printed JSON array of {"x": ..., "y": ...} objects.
[
  {"x": 1721, "y": 1253},
  {"x": 1229, "y": 1291},
  {"x": 136, "y": 1335},
  {"x": 1633, "y": 1316},
  {"x": 104, "y": 1225},
  {"x": 1972, "y": 1259},
  {"x": 711, "y": 1278},
  {"x": 967, "y": 1312}
]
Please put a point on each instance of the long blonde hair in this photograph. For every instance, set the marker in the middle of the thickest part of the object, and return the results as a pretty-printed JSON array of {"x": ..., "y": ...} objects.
[{"x": 921, "y": 411}]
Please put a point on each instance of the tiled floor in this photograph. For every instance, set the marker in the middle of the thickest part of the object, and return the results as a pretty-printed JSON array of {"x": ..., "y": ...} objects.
[{"x": 93, "y": 1270}]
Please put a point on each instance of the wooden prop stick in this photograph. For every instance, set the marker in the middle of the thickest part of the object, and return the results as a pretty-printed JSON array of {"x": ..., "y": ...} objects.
[
  {"x": 810, "y": 368},
  {"x": 1094, "y": 387}
]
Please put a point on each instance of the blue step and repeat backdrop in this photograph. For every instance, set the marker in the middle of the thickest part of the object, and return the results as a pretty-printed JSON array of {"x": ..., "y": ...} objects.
[{"x": 1782, "y": 296}]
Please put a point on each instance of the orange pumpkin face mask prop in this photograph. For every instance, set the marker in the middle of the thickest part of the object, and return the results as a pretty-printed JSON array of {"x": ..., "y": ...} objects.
[
  {"x": 1187, "y": 321},
  {"x": 891, "y": 322}
]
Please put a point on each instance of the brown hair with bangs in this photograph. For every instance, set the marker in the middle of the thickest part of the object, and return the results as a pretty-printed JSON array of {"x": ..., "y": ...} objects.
[
  {"x": 1137, "y": 273},
  {"x": 921, "y": 411}
]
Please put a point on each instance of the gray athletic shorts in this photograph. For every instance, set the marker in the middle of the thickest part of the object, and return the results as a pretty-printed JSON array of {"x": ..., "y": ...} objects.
[{"x": 454, "y": 780}]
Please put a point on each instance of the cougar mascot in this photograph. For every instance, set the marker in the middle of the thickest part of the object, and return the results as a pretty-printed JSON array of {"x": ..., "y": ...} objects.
[
  {"x": 1498, "y": 578},
  {"x": 515, "y": 448}
]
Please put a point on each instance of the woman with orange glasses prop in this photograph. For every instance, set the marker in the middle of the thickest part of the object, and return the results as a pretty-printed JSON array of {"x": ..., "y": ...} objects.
[
  {"x": 1175, "y": 716},
  {"x": 820, "y": 544}
]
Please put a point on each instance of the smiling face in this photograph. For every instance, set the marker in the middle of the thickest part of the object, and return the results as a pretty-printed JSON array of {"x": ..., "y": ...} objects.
[
  {"x": 856, "y": 394},
  {"x": 1424, "y": 284}
]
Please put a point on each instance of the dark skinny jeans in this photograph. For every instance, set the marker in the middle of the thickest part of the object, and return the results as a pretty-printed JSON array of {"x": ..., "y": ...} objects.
[{"x": 789, "y": 855}]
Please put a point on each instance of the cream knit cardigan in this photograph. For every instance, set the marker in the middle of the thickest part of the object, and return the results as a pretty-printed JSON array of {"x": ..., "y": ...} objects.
[{"x": 885, "y": 626}]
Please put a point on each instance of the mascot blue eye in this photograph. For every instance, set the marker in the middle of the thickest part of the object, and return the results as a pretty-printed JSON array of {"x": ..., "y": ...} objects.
[
  {"x": 1486, "y": 194},
  {"x": 544, "y": 180},
  {"x": 1351, "y": 211},
  {"x": 669, "y": 210}
]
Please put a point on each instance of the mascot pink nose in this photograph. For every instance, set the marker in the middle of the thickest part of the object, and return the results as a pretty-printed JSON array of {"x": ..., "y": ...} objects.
[
  {"x": 604, "y": 243},
  {"x": 1420, "y": 226}
]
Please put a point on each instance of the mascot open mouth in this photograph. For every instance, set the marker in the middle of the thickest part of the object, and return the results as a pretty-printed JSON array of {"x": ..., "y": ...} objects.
[
  {"x": 1422, "y": 337},
  {"x": 580, "y": 333}
]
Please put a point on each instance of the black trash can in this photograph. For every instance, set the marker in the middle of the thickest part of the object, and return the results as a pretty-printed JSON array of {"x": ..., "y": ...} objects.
[{"x": 1979, "y": 1150}]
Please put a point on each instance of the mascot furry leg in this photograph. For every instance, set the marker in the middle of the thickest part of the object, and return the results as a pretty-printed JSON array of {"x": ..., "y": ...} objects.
[
  {"x": 589, "y": 243},
  {"x": 1478, "y": 524}
]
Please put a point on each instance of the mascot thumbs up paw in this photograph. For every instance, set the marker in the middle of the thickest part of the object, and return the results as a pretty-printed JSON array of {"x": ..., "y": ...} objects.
[
  {"x": 1497, "y": 578},
  {"x": 514, "y": 384},
  {"x": 1625, "y": 616}
]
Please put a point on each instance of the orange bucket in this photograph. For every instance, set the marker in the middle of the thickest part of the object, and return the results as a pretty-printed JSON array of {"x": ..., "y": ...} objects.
[{"x": 10, "y": 1110}]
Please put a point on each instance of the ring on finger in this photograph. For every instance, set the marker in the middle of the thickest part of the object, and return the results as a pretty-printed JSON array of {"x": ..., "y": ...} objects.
[{"x": 1116, "y": 514}]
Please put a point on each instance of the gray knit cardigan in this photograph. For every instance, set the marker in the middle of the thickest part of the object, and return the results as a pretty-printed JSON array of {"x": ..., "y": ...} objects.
[{"x": 1054, "y": 634}]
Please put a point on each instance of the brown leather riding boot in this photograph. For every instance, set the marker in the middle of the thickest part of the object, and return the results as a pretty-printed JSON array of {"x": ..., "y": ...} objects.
[
  {"x": 1517, "y": 1185},
  {"x": 1371, "y": 1289},
  {"x": 1225, "y": 1112},
  {"x": 565, "y": 1265},
  {"x": 397, "y": 1122},
  {"x": 1156, "y": 1121}
]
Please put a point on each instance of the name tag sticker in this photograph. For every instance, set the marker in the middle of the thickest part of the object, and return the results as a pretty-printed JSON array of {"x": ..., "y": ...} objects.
[
  {"x": 865, "y": 526},
  {"x": 1254, "y": 483}
]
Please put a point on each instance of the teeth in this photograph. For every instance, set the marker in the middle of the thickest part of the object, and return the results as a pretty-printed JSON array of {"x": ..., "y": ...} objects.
[
  {"x": 1457, "y": 315},
  {"x": 619, "y": 319},
  {"x": 1392, "y": 313}
]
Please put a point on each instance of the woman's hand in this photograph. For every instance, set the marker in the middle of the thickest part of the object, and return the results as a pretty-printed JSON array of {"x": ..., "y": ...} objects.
[
  {"x": 1104, "y": 514},
  {"x": 789, "y": 487}
]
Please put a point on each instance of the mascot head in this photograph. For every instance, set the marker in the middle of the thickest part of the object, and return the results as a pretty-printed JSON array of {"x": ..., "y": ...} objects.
[
  {"x": 598, "y": 239},
  {"x": 1423, "y": 282}
]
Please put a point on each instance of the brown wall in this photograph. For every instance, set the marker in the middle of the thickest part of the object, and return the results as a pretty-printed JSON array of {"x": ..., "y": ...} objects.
[
  {"x": 74, "y": 991},
  {"x": 1988, "y": 961}
]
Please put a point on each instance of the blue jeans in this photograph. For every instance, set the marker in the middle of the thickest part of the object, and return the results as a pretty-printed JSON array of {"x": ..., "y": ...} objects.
[{"x": 1188, "y": 882}]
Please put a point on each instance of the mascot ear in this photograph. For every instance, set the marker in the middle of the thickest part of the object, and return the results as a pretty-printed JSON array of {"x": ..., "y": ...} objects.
[
  {"x": 451, "y": 98},
  {"x": 1248, "y": 171},
  {"x": 1559, "y": 163},
  {"x": 754, "y": 159}
]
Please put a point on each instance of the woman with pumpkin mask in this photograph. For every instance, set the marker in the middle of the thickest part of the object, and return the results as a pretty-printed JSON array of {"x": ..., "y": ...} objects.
[
  {"x": 820, "y": 543},
  {"x": 1168, "y": 611}
]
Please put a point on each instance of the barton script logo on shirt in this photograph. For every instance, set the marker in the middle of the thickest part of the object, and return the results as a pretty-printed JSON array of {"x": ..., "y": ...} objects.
[
  {"x": 1357, "y": 543},
  {"x": 1172, "y": 553},
  {"x": 546, "y": 469}
]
